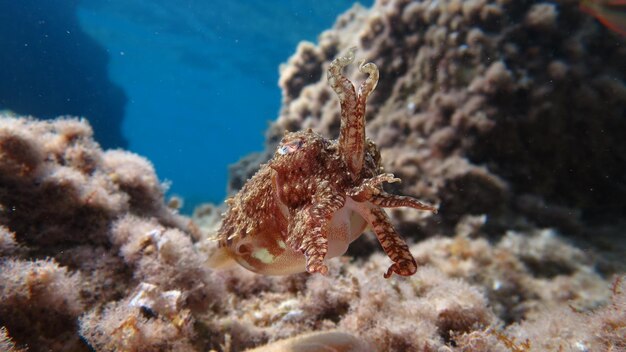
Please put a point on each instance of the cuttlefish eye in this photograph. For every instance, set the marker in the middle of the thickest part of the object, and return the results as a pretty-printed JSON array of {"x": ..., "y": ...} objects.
[{"x": 290, "y": 147}]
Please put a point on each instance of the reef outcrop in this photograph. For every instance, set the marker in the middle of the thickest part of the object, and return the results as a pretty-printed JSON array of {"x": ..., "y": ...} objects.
[
  {"x": 487, "y": 107},
  {"x": 85, "y": 236}
]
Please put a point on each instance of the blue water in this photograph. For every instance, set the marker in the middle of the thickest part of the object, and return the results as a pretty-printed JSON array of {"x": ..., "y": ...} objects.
[{"x": 201, "y": 78}]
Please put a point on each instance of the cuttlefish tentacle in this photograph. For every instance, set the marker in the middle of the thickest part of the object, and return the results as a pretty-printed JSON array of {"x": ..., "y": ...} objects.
[
  {"x": 352, "y": 131},
  {"x": 386, "y": 200},
  {"x": 394, "y": 246},
  {"x": 367, "y": 87},
  {"x": 370, "y": 187},
  {"x": 306, "y": 228}
]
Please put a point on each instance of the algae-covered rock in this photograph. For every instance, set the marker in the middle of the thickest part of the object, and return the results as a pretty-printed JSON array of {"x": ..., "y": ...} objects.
[{"x": 481, "y": 104}]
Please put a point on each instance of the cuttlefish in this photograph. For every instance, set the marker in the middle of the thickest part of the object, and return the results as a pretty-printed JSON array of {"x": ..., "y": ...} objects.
[{"x": 317, "y": 195}]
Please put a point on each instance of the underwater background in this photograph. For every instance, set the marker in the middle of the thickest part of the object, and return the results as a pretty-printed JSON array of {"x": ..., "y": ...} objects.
[
  {"x": 506, "y": 116},
  {"x": 183, "y": 83}
]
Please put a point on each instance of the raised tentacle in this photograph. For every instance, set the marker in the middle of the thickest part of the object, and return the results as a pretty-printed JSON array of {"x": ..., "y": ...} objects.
[
  {"x": 339, "y": 83},
  {"x": 370, "y": 187},
  {"x": 368, "y": 86},
  {"x": 352, "y": 130}
]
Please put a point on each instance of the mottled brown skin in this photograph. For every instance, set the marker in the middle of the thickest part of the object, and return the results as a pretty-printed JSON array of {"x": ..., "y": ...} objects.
[{"x": 316, "y": 195}]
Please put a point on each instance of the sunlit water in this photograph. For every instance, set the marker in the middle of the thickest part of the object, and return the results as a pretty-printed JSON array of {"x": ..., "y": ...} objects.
[{"x": 201, "y": 78}]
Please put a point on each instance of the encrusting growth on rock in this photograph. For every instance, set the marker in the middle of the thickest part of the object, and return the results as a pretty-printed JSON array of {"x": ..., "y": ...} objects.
[
  {"x": 91, "y": 258},
  {"x": 317, "y": 195}
]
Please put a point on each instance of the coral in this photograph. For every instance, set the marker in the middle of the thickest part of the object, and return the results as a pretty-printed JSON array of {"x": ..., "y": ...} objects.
[
  {"x": 53, "y": 169},
  {"x": 473, "y": 115},
  {"x": 101, "y": 221},
  {"x": 565, "y": 328},
  {"x": 444, "y": 306},
  {"x": 40, "y": 302},
  {"x": 6, "y": 344},
  {"x": 7, "y": 242},
  {"x": 470, "y": 83},
  {"x": 467, "y": 293},
  {"x": 147, "y": 320},
  {"x": 165, "y": 257},
  {"x": 135, "y": 176},
  {"x": 611, "y": 320},
  {"x": 136, "y": 277},
  {"x": 542, "y": 16}
]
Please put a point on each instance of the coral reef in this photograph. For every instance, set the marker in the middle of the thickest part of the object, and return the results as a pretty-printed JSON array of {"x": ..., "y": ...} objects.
[
  {"x": 40, "y": 302},
  {"x": 511, "y": 112},
  {"x": 500, "y": 111},
  {"x": 481, "y": 106},
  {"x": 85, "y": 232},
  {"x": 6, "y": 344},
  {"x": 468, "y": 295},
  {"x": 136, "y": 278}
]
